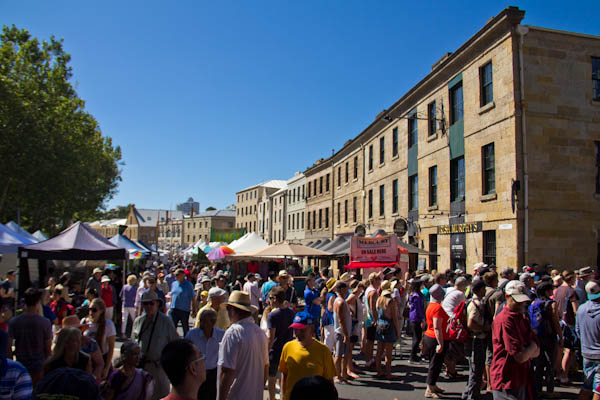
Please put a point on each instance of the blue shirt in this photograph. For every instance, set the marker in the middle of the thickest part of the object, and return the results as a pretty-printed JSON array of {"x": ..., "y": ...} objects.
[
  {"x": 181, "y": 295},
  {"x": 209, "y": 347},
  {"x": 15, "y": 381},
  {"x": 266, "y": 288},
  {"x": 170, "y": 278},
  {"x": 311, "y": 295}
]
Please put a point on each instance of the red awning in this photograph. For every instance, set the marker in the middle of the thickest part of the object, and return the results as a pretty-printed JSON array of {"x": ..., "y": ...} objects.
[{"x": 358, "y": 265}]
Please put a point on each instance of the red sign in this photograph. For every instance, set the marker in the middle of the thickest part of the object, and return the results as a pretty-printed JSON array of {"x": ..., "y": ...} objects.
[{"x": 378, "y": 249}]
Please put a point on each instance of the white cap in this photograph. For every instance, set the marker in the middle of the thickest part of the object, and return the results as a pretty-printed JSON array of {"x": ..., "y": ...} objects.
[
  {"x": 216, "y": 291},
  {"x": 517, "y": 291}
]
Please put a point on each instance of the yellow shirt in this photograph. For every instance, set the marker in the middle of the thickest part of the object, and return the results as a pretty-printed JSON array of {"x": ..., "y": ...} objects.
[
  {"x": 222, "y": 317},
  {"x": 298, "y": 362}
]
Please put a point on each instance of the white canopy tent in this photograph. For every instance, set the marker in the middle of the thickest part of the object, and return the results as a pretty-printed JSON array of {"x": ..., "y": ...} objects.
[{"x": 248, "y": 243}]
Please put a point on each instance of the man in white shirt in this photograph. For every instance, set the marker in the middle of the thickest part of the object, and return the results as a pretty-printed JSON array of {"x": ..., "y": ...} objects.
[
  {"x": 243, "y": 355},
  {"x": 251, "y": 287},
  {"x": 207, "y": 338},
  {"x": 456, "y": 351}
]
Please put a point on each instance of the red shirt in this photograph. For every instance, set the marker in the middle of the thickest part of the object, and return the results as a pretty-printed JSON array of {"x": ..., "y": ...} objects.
[
  {"x": 107, "y": 295},
  {"x": 511, "y": 334},
  {"x": 435, "y": 310}
]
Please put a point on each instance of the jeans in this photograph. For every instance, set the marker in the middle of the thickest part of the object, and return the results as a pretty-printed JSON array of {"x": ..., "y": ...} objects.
[
  {"x": 417, "y": 335},
  {"x": 208, "y": 390},
  {"x": 183, "y": 316},
  {"x": 436, "y": 360},
  {"x": 476, "y": 368}
]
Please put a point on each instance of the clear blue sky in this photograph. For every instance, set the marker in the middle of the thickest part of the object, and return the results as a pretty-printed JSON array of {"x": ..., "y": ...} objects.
[{"x": 208, "y": 97}]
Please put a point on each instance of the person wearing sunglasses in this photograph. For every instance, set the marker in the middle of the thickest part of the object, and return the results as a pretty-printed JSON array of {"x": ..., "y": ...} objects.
[
  {"x": 184, "y": 365},
  {"x": 103, "y": 331}
]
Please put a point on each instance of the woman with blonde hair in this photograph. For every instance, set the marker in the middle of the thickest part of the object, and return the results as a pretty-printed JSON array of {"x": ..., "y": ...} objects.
[
  {"x": 67, "y": 352},
  {"x": 387, "y": 328},
  {"x": 103, "y": 331}
]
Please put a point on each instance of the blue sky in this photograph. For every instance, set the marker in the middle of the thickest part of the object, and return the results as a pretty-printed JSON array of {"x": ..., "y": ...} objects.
[{"x": 206, "y": 98}]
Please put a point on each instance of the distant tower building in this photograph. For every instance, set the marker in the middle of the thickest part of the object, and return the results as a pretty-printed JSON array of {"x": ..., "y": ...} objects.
[{"x": 189, "y": 207}]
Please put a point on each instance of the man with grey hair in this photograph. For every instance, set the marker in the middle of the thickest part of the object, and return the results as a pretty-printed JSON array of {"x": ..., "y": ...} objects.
[
  {"x": 207, "y": 338},
  {"x": 216, "y": 299},
  {"x": 507, "y": 274}
]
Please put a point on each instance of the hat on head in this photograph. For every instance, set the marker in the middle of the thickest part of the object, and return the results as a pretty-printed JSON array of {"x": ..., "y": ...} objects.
[
  {"x": 373, "y": 275},
  {"x": 257, "y": 276},
  {"x": 97, "y": 270},
  {"x": 205, "y": 278},
  {"x": 557, "y": 278},
  {"x": 542, "y": 287},
  {"x": 302, "y": 320},
  {"x": 386, "y": 288},
  {"x": 346, "y": 277},
  {"x": 388, "y": 270},
  {"x": 585, "y": 271},
  {"x": 216, "y": 291},
  {"x": 524, "y": 276},
  {"x": 198, "y": 286},
  {"x": 204, "y": 293},
  {"x": 105, "y": 279},
  {"x": 150, "y": 295},
  {"x": 241, "y": 300},
  {"x": 517, "y": 291},
  {"x": 330, "y": 282},
  {"x": 437, "y": 292},
  {"x": 283, "y": 273},
  {"x": 592, "y": 288}
]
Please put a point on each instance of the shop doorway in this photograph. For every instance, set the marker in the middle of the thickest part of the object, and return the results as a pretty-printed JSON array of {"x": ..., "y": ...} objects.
[{"x": 458, "y": 251}]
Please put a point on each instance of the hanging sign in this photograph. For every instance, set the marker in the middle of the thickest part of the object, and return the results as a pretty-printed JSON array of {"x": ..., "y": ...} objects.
[
  {"x": 380, "y": 249},
  {"x": 470, "y": 227}
]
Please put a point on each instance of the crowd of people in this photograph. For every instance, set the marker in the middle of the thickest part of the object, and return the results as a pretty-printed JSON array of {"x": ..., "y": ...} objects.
[{"x": 521, "y": 333}]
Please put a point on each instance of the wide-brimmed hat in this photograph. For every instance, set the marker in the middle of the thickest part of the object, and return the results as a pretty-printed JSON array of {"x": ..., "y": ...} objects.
[
  {"x": 330, "y": 282},
  {"x": 516, "y": 289},
  {"x": 105, "y": 279},
  {"x": 346, "y": 277},
  {"x": 97, "y": 270},
  {"x": 585, "y": 271},
  {"x": 150, "y": 295},
  {"x": 283, "y": 273},
  {"x": 241, "y": 300},
  {"x": 386, "y": 288},
  {"x": 205, "y": 278}
]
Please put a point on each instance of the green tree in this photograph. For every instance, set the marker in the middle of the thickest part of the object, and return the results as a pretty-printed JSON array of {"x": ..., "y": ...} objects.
[
  {"x": 56, "y": 165},
  {"x": 211, "y": 208}
]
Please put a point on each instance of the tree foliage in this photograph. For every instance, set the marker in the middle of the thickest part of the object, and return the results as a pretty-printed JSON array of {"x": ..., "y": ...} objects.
[
  {"x": 211, "y": 208},
  {"x": 56, "y": 165}
]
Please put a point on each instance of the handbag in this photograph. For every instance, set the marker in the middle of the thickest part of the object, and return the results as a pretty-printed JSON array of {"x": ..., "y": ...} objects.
[{"x": 143, "y": 358}]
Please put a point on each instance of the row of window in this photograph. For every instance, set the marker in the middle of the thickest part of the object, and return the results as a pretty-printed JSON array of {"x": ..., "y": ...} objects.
[
  {"x": 193, "y": 224},
  {"x": 489, "y": 249},
  {"x": 295, "y": 195},
  {"x": 249, "y": 195},
  {"x": 296, "y": 221},
  {"x": 245, "y": 211},
  {"x": 169, "y": 233},
  {"x": 194, "y": 238}
]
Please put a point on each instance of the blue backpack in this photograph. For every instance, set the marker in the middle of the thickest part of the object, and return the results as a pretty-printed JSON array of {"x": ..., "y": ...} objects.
[{"x": 539, "y": 317}]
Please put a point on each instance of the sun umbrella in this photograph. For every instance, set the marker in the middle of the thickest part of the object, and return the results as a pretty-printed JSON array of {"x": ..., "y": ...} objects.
[
  {"x": 207, "y": 249},
  {"x": 289, "y": 250},
  {"x": 216, "y": 254},
  {"x": 227, "y": 250}
]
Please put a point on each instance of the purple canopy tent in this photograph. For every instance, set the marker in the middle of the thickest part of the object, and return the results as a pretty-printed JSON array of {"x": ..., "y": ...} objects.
[{"x": 77, "y": 242}]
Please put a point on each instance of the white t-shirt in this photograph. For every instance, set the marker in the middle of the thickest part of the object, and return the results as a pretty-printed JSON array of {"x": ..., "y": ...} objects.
[
  {"x": 452, "y": 299},
  {"x": 109, "y": 331},
  {"x": 244, "y": 348},
  {"x": 252, "y": 289}
]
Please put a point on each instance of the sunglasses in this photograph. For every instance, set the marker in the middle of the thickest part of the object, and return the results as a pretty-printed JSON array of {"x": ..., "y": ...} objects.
[
  {"x": 148, "y": 303},
  {"x": 93, "y": 310},
  {"x": 201, "y": 358}
]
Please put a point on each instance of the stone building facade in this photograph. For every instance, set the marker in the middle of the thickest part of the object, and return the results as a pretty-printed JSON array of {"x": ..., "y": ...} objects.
[
  {"x": 493, "y": 156},
  {"x": 200, "y": 226},
  {"x": 319, "y": 200},
  {"x": 170, "y": 233},
  {"x": 296, "y": 207},
  {"x": 278, "y": 205},
  {"x": 247, "y": 201}
]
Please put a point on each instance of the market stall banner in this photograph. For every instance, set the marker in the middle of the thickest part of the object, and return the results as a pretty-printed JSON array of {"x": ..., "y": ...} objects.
[
  {"x": 226, "y": 235},
  {"x": 378, "y": 249}
]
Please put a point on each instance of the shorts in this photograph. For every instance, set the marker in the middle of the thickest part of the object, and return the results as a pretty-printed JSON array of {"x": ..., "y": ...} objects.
[
  {"x": 371, "y": 333},
  {"x": 273, "y": 364},
  {"x": 489, "y": 350},
  {"x": 340, "y": 346},
  {"x": 511, "y": 394},
  {"x": 591, "y": 371}
]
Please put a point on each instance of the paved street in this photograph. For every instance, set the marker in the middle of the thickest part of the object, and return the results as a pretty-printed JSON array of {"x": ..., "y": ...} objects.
[{"x": 408, "y": 384}]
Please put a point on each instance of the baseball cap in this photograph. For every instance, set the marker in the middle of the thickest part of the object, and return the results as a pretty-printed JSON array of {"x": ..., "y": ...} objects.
[
  {"x": 216, "y": 291},
  {"x": 592, "y": 289},
  {"x": 517, "y": 291},
  {"x": 524, "y": 276},
  {"x": 301, "y": 320}
]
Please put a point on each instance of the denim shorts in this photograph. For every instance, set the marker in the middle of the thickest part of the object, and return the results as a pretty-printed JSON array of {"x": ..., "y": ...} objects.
[{"x": 591, "y": 370}]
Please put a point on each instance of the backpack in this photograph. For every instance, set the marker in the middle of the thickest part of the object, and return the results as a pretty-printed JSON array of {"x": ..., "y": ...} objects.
[
  {"x": 456, "y": 328},
  {"x": 539, "y": 318}
]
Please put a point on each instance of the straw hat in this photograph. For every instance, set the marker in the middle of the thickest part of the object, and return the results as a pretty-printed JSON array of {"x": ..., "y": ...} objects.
[
  {"x": 386, "y": 288},
  {"x": 97, "y": 270},
  {"x": 105, "y": 279},
  {"x": 346, "y": 277},
  {"x": 241, "y": 300},
  {"x": 330, "y": 282}
]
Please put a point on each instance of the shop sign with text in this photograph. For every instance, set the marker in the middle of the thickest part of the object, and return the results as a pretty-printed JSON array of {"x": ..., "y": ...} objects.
[
  {"x": 470, "y": 227},
  {"x": 379, "y": 249}
]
